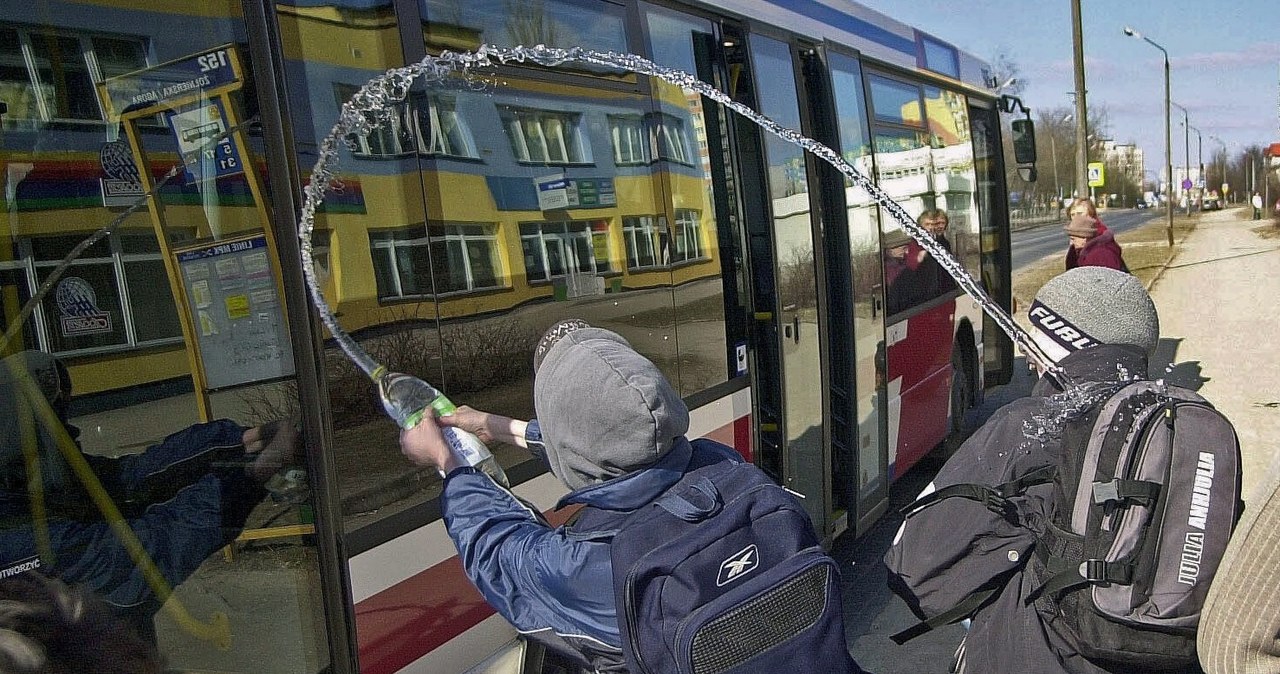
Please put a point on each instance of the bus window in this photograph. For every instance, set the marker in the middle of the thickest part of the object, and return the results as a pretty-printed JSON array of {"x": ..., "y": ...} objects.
[
  {"x": 164, "y": 350},
  {"x": 954, "y": 180},
  {"x": 709, "y": 312}
]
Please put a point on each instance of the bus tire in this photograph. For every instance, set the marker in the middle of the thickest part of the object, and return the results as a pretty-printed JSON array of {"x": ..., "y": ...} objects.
[{"x": 962, "y": 399}]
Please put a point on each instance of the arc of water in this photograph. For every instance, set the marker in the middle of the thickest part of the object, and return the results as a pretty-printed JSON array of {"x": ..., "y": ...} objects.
[{"x": 369, "y": 107}]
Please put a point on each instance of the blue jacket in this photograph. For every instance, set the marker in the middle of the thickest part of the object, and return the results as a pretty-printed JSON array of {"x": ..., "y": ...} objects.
[{"x": 556, "y": 584}]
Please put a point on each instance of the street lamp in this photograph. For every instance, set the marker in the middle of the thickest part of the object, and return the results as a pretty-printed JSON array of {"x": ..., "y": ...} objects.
[
  {"x": 1200, "y": 162},
  {"x": 1053, "y": 149},
  {"x": 1168, "y": 152},
  {"x": 1186, "y": 143}
]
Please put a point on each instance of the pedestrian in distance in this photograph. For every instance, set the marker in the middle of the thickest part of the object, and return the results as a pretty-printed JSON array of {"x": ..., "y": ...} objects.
[
  {"x": 1092, "y": 245},
  {"x": 902, "y": 285},
  {"x": 612, "y": 590},
  {"x": 1257, "y": 206},
  {"x": 1045, "y": 520}
]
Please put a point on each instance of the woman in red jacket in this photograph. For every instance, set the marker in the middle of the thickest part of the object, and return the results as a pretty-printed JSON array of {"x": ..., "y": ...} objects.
[{"x": 1092, "y": 244}]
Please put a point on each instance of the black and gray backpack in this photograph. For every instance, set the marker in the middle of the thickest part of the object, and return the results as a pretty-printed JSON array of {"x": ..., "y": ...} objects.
[
  {"x": 1145, "y": 500},
  {"x": 1145, "y": 495}
]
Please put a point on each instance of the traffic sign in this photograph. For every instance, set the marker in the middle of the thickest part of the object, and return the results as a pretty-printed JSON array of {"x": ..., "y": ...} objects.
[
  {"x": 1186, "y": 183},
  {"x": 1096, "y": 176}
]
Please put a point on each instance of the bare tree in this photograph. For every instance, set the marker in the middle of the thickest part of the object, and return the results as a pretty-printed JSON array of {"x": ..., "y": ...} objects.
[{"x": 529, "y": 23}]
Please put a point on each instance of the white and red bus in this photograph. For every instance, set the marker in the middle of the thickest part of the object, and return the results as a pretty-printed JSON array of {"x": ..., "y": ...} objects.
[{"x": 476, "y": 216}]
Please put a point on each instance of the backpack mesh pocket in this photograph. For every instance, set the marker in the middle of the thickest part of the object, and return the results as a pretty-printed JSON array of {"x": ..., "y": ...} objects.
[{"x": 753, "y": 627}]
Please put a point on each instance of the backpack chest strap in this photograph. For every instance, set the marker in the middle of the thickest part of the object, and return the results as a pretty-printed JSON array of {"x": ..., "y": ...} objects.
[{"x": 1063, "y": 557}]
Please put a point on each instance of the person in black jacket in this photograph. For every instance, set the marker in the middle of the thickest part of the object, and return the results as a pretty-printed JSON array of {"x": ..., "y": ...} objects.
[{"x": 1099, "y": 326}]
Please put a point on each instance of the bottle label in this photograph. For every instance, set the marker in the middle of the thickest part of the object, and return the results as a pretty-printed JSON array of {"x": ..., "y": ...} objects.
[
  {"x": 443, "y": 406},
  {"x": 412, "y": 419},
  {"x": 466, "y": 446}
]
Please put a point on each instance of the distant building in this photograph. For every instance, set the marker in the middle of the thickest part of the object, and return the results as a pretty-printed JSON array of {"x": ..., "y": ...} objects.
[{"x": 1127, "y": 159}]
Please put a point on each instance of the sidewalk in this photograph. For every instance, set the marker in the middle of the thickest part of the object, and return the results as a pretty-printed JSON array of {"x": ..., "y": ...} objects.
[
  {"x": 1217, "y": 302},
  {"x": 1219, "y": 324}
]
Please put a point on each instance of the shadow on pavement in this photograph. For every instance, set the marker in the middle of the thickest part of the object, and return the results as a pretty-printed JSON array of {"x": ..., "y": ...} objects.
[{"x": 1164, "y": 366}]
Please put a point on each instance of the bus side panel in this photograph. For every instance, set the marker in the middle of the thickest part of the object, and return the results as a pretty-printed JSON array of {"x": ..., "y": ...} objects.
[
  {"x": 416, "y": 611},
  {"x": 920, "y": 374}
]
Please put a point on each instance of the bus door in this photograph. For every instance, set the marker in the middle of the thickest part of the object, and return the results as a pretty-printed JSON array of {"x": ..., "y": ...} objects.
[
  {"x": 788, "y": 336},
  {"x": 996, "y": 248},
  {"x": 854, "y": 292}
]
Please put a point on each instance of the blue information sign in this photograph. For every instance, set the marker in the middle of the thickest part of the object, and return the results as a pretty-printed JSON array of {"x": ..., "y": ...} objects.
[
  {"x": 195, "y": 129},
  {"x": 173, "y": 81}
]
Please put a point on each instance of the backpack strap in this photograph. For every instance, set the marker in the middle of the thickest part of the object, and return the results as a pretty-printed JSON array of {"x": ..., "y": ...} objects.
[
  {"x": 700, "y": 501},
  {"x": 958, "y": 612},
  {"x": 1126, "y": 491},
  {"x": 996, "y": 498},
  {"x": 1088, "y": 572}
]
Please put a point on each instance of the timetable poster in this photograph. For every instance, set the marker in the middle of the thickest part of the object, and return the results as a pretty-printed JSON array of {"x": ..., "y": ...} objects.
[{"x": 236, "y": 311}]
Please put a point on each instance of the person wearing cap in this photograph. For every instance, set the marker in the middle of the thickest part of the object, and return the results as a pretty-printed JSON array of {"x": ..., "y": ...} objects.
[
  {"x": 1098, "y": 327},
  {"x": 1091, "y": 243},
  {"x": 901, "y": 282},
  {"x": 612, "y": 428}
]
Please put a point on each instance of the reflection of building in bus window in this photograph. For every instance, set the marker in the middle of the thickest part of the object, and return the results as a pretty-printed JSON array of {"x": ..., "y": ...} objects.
[{"x": 184, "y": 497}]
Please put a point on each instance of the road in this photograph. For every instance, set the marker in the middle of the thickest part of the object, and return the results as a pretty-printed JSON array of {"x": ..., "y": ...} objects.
[{"x": 1029, "y": 245}]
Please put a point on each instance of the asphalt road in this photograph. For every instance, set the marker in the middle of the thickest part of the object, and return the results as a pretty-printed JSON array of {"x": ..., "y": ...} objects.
[{"x": 1030, "y": 245}]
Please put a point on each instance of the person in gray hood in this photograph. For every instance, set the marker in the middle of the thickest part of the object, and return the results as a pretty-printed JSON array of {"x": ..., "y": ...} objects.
[{"x": 612, "y": 429}]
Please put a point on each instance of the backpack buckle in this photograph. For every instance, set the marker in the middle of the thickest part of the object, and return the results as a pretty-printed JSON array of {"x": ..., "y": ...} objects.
[
  {"x": 1104, "y": 492},
  {"x": 1094, "y": 570}
]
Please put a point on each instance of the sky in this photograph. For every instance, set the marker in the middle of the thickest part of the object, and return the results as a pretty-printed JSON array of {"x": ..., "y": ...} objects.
[{"x": 1224, "y": 62}]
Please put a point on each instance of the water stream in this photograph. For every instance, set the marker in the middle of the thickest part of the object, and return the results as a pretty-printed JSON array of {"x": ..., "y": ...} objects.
[{"x": 371, "y": 106}]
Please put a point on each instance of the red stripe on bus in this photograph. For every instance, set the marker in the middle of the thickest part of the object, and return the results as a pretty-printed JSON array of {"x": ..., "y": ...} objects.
[
  {"x": 412, "y": 618},
  {"x": 406, "y": 621}
]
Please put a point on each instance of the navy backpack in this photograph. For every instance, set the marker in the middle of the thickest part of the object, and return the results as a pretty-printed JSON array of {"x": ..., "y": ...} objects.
[{"x": 723, "y": 573}]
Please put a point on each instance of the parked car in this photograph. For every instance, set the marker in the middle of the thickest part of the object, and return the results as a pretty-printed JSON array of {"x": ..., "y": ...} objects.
[
  {"x": 1141, "y": 203},
  {"x": 1212, "y": 202}
]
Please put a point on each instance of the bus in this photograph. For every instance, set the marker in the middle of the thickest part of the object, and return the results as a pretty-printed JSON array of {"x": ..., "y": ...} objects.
[{"x": 466, "y": 219}]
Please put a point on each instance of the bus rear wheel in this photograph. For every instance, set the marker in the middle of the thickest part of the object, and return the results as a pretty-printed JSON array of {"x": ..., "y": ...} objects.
[{"x": 962, "y": 398}]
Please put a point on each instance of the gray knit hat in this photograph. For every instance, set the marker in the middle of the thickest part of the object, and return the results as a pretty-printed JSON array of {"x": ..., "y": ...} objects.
[
  {"x": 1087, "y": 306},
  {"x": 604, "y": 409}
]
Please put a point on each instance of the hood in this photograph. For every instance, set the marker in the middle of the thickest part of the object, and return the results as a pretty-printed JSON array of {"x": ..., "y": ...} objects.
[{"x": 605, "y": 410}]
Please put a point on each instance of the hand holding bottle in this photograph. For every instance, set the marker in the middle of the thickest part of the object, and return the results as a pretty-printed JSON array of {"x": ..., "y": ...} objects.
[
  {"x": 425, "y": 445},
  {"x": 411, "y": 402},
  {"x": 487, "y": 426}
]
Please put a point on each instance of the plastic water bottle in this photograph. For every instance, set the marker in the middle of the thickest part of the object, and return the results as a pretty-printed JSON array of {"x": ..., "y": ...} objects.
[{"x": 407, "y": 398}]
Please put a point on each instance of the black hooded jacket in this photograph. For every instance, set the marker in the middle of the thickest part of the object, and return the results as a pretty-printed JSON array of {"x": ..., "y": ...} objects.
[{"x": 943, "y": 554}]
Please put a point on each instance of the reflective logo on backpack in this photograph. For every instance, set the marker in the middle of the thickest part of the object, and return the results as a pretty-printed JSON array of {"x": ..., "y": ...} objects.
[{"x": 738, "y": 565}]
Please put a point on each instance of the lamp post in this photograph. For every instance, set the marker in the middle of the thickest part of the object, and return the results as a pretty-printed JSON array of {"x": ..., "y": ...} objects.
[
  {"x": 1186, "y": 144},
  {"x": 1168, "y": 152},
  {"x": 1223, "y": 164},
  {"x": 1082, "y": 110},
  {"x": 1200, "y": 163}
]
